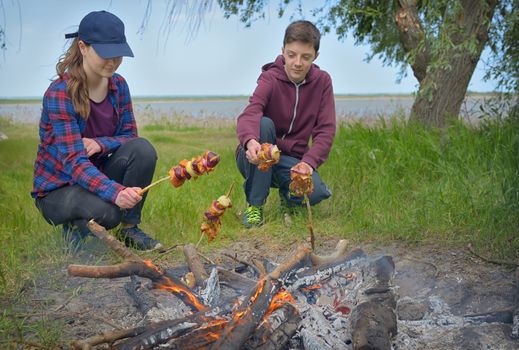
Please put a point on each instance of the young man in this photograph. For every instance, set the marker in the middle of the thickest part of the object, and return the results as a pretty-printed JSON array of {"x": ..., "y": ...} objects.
[{"x": 292, "y": 103}]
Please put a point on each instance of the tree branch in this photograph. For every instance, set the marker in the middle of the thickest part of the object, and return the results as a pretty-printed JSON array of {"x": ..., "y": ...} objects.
[{"x": 412, "y": 36}]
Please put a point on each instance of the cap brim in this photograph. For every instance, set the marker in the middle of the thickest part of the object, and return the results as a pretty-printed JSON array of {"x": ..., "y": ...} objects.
[{"x": 113, "y": 50}]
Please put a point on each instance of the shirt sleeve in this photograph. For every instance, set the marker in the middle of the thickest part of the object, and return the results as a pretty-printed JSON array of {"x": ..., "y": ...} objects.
[
  {"x": 128, "y": 127},
  {"x": 324, "y": 130},
  {"x": 69, "y": 149}
]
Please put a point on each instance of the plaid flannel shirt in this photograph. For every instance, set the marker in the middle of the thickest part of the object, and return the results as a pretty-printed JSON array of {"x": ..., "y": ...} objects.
[{"x": 61, "y": 159}]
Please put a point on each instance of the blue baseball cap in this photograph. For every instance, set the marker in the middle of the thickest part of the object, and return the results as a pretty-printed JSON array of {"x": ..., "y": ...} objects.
[{"x": 104, "y": 31}]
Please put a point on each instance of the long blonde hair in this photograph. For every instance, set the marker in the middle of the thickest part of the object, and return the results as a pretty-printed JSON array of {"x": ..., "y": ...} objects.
[{"x": 71, "y": 62}]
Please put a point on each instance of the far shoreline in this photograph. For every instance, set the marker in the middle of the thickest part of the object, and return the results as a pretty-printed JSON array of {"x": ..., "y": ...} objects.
[{"x": 215, "y": 98}]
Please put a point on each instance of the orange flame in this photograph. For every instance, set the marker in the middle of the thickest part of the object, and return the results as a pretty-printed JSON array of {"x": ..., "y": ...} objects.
[
  {"x": 218, "y": 323},
  {"x": 176, "y": 288},
  {"x": 312, "y": 287},
  {"x": 278, "y": 301}
]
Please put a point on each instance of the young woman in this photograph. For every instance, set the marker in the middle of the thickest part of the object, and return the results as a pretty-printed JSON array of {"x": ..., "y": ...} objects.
[{"x": 90, "y": 162}]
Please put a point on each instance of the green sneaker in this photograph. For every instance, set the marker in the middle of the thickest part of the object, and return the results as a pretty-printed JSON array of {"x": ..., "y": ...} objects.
[{"x": 253, "y": 216}]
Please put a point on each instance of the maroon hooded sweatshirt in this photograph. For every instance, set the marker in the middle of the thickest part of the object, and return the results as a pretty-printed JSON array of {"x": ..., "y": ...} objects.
[{"x": 299, "y": 111}]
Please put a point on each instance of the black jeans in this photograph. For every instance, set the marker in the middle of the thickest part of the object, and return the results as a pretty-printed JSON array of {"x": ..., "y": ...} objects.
[
  {"x": 131, "y": 165},
  {"x": 258, "y": 183}
]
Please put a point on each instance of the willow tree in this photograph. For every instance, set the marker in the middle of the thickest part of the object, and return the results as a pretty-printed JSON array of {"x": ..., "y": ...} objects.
[{"x": 441, "y": 40}]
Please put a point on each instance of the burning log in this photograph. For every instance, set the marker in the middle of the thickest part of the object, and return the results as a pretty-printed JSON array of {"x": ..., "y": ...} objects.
[
  {"x": 133, "y": 265},
  {"x": 247, "y": 316},
  {"x": 267, "y": 318},
  {"x": 253, "y": 309},
  {"x": 276, "y": 331},
  {"x": 172, "y": 331}
]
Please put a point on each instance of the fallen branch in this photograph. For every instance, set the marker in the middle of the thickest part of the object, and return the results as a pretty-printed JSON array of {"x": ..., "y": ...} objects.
[
  {"x": 107, "y": 338},
  {"x": 133, "y": 265}
]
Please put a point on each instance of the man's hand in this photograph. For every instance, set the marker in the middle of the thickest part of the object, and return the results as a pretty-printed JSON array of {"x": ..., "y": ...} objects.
[
  {"x": 91, "y": 147},
  {"x": 253, "y": 148},
  {"x": 304, "y": 167},
  {"x": 128, "y": 197}
]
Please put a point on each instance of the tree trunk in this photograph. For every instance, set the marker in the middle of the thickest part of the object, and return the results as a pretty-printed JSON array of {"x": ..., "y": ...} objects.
[{"x": 444, "y": 85}]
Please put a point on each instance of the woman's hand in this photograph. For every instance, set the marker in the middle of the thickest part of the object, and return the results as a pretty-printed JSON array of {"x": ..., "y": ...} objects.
[
  {"x": 91, "y": 146},
  {"x": 253, "y": 148},
  {"x": 128, "y": 198}
]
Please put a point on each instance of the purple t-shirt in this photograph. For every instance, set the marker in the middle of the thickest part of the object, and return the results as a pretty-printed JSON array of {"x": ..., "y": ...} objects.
[{"x": 101, "y": 122}]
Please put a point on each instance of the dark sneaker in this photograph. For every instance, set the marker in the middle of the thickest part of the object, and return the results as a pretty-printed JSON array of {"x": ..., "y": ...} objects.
[
  {"x": 253, "y": 216},
  {"x": 134, "y": 237}
]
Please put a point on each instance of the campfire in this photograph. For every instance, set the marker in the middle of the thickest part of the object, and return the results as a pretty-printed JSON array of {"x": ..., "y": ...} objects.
[{"x": 338, "y": 301}]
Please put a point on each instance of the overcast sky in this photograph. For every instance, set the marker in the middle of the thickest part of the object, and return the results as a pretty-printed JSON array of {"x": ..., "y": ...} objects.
[{"x": 224, "y": 58}]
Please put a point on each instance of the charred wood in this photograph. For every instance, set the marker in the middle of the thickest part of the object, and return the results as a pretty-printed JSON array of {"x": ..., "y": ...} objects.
[
  {"x": 316, "y": 274},
  {"x": 162, "y": 332},
  {"x": 144, "y": 300},
  {"x": 235, "y": 280},
  {"x": 373, "y": 325},
  {"x": 198, "y": 339},
  {"x": 275, "y": 332},
  {"x": 247, "y": 316},
  {"x": 252, "y": 310},
  {"x": 502, "y": 316}
]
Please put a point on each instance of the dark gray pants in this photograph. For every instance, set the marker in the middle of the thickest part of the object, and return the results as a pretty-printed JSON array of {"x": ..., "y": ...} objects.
[
  {"x": 131, "y": 165},
  {"x": 258, "y": 183}
]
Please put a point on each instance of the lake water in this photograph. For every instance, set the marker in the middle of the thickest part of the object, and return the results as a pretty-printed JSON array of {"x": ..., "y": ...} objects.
[{"x": 349, "y": 107}]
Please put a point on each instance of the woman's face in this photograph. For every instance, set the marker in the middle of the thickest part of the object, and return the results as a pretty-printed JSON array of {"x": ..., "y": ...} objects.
[{"x": 95, "y": 66}]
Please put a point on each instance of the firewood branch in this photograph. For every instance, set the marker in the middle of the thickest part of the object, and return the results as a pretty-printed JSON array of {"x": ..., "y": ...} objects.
[
  {"x": 302, "y": 253},
  {"x": 107, "y": 338},
  {"x": 119, "y": 248},
  {"x": 341, "y": 250},
  {"x": 133, "y": 265},
  {"x": 124, "y": 269}
]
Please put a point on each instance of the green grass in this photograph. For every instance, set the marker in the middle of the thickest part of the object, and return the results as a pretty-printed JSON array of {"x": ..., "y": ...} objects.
[{"x": 389, "y": 182}]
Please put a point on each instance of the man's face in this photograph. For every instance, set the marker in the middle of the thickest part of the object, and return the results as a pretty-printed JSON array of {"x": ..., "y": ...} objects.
[{"x": 298, "y": 60}]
